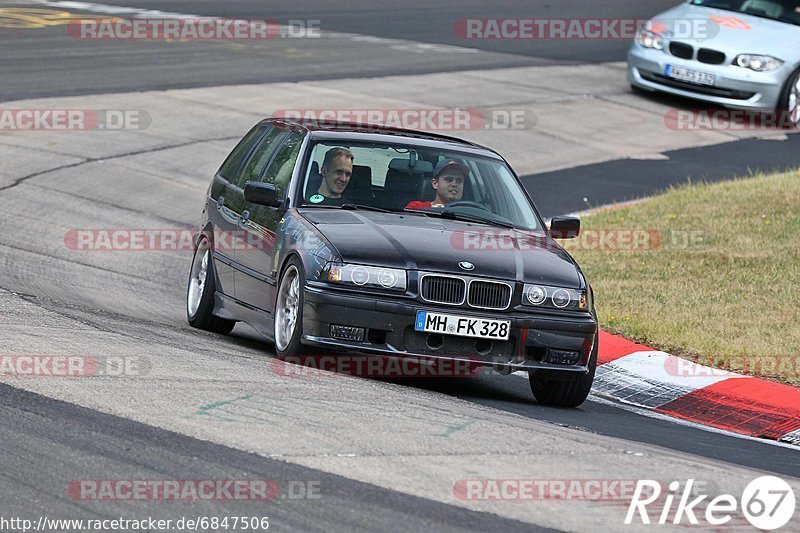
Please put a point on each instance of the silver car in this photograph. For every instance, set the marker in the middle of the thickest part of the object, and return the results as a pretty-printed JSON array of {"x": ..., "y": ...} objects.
[{"x": 742, "y": 54}]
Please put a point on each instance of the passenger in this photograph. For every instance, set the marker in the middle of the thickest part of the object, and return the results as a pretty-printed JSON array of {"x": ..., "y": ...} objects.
[
  {"x": 337, "y": 167},
  {"x": 448, "y": 181}
]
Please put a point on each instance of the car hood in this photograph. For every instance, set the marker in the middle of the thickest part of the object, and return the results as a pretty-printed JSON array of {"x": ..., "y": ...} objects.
[
  {"x": 417, "y": 242},
  {"x": 737, "y": 34}
]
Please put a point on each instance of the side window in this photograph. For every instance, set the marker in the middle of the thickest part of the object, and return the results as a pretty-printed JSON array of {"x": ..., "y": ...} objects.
[
  {"x": 261, "y": 156},
  {"x": 280, "y": 169},
  {"x": 230, "y": 168}
]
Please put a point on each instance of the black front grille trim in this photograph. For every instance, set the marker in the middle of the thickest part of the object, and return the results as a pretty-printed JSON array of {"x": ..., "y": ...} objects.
[
  {"x": 712, "y": 57},
  {"x": 681, "y": 50},
  {"x": 450, "y": 290},
  {"x": 485, "y": 294}
]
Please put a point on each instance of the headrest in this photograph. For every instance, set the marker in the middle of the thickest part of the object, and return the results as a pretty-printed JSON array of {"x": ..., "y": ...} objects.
[{"x": 402, "y": 164}]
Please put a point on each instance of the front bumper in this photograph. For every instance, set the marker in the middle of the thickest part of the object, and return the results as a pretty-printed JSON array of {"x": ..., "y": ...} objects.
[
  {"x": 736, "y": 88},
  {"x": 390, "y": 331}
]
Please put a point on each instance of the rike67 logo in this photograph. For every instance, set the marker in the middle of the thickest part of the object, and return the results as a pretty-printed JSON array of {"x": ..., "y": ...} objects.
[{"x": 767, "y": 502}]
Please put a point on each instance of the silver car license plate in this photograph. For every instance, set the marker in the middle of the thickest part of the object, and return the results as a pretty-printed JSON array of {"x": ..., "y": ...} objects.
[
  {"x": 463, "y": 326},
  {"x": 689, "y": 75}
]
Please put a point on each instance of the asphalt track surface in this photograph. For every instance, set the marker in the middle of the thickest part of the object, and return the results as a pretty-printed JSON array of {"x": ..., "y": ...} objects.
[
  {"x": 563, "y": 191},
  {"x": 46, "y": 442},
  {"x": 48, "y": 62},
  {"x": 432, "y": 22},
  {"x": 75, "y": 441}
]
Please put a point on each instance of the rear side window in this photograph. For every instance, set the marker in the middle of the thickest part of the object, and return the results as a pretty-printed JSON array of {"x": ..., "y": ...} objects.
[
  {"x": 280, "y": 169},
  {"x": 261, "y": 156},
  {"x": 230, "y": 168}
]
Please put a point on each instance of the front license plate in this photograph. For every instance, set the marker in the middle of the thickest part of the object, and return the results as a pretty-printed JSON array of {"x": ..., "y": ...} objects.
[
  {"x": 463, "y": 326},
  {"x": 689, "y": 75}
]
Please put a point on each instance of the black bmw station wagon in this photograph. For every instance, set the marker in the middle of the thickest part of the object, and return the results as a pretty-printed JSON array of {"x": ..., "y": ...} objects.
[{"x": 375, "y": 240}]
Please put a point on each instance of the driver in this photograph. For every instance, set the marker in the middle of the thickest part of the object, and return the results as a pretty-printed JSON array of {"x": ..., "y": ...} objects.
[
  {"x": 337, "y": 168},
  {"x": 448, "y": 181}
]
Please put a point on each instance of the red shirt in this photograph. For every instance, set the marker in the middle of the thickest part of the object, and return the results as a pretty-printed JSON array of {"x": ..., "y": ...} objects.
[{"x": 417, "y": 204}]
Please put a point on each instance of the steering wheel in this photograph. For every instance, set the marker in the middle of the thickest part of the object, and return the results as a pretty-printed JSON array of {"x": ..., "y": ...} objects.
[{"x": 467, "y": 203}]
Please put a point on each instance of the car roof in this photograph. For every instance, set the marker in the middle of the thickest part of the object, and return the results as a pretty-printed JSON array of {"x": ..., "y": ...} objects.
[{"x": 341, "y": 131}]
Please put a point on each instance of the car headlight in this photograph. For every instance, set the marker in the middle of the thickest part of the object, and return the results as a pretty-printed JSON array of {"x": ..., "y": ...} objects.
[
  {"x": 555, "y": 297},
  {"x": 366, "y": 276},
  {"x": 650, "y": 39},
  {"x": 757, "y": 63}
]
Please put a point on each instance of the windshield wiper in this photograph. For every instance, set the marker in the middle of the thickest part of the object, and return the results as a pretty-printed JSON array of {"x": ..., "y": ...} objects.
[
  {"x": 352, "y": 206},
  {"x": 452, "y": 215},
  {"x": 349, "y": 206}
]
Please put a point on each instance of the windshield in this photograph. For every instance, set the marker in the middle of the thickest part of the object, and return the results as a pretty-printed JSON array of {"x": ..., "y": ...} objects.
[
  {"x": 400, "y": 178},
  {"x": 782, "y": 10}
]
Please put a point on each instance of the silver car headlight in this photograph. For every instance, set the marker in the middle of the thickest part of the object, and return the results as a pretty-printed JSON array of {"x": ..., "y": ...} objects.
[
  {"x": 650, "y": 39},
  {"x": 757, "y": 62},
  {"x": 555, "y": 297},
  {"x": 366, "y": 276}
]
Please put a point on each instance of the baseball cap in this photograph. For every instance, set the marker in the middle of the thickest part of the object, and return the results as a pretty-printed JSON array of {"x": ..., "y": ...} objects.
[{"x": 447, "y": 163}]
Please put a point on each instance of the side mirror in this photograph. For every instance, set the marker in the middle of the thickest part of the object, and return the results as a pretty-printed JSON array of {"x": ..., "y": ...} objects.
[
  {"x": 565, "y": 227},
  {"x": 262, "y": 194}
]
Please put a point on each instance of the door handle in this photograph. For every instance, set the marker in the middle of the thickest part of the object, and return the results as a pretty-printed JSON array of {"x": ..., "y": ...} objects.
[{"x": 244, "y": 218}]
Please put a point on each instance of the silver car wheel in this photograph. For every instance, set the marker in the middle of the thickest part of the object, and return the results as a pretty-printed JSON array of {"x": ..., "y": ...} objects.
[
  {"x": 197, "y": 281},
  {"x": 794, "y": 102},
  {"x": 287, "y": 308}
]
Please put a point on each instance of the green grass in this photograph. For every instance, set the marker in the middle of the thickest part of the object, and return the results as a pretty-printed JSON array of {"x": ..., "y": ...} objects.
[{"x": 730, "y": 295}]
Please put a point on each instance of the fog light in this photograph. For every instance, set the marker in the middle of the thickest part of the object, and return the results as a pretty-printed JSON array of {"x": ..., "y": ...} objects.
[
  {"x": 562, "y": 357},
  {"x": 347, "y": 333}
]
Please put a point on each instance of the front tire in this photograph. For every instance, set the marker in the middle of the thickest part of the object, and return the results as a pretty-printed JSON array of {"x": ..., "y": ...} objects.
[
  {"x": 288, "y": 328},
  {"x": 570, "y": 393},
  {"x": 790, "y": 102},
  {"x": 200, "y": 293}
]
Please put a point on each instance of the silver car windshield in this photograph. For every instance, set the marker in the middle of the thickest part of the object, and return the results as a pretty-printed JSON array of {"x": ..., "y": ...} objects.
[
  {"x": 400, "y": 178},
  {"x": 782, "y": 10}
]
